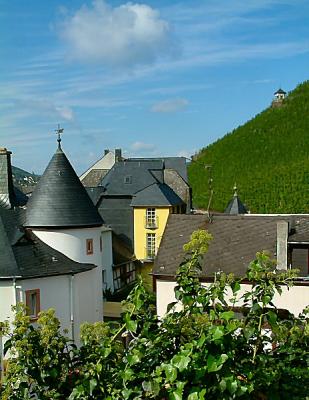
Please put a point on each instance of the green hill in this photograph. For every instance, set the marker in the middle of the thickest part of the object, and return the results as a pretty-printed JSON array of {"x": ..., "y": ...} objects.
[
  {"x": 24, "y": 180},
  {"x": 268, "y": 158}
]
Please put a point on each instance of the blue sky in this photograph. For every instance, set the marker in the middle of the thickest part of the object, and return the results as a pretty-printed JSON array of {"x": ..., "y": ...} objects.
[{"x": 155, "y": 78}]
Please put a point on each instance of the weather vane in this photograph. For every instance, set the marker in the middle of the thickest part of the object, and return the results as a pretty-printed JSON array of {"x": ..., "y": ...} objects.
[{"x": 59, "y": 132}]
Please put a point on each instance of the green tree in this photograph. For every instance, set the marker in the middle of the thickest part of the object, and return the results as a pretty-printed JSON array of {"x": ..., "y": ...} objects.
[{"x": 201, "y": 349}]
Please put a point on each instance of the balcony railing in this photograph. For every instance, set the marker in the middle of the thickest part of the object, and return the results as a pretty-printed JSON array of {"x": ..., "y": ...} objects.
[
  {"x": 150, "y": 253},
  {"x": 151, "y": 222}
]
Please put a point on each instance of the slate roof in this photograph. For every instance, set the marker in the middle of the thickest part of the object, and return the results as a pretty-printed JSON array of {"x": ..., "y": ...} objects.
[
  {"x": 94, "y": 177},
  {"x": 280, "y": 91},
  {"x": 236, "y": 240},
  {"x": 157, "y": 194},
  {"x": 235, "y": 206},
  {"x": 300, "y": 227},
  {"x": 127, "y": 178},
  {"x": 134, "y": 182},
  {"x": 60, "y": 200},
  {"x": 24, "y": 255},
  {"x": 176, "y": 163}
]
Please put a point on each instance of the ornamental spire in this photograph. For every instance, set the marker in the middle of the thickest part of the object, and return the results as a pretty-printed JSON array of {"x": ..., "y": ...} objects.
[
  {"x": 235, "y": 189},
  {"x": 59, "y": 132}
]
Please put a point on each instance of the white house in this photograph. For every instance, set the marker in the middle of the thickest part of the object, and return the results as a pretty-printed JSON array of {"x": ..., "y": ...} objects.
[
  {"x": 55, "y": 252},
  {"x": 236, "y": 240},
  {"x": 94, "y": 174}
]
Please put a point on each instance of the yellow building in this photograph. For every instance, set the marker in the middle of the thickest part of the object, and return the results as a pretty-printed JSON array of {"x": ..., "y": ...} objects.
[
  {"x": 135, "y": 198},
  {"x": 151, "y": 208}
]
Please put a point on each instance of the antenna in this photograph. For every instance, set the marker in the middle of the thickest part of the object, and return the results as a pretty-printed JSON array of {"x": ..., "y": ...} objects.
[{"x": 211, "y": 191}]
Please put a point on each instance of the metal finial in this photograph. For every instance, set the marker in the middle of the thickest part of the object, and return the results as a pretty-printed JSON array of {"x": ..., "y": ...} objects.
[
  {"x": 235, "y": 189},
  {"x": 59, "y": 131}
]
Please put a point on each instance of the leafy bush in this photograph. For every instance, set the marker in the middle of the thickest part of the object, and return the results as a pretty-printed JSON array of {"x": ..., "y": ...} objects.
[{"x": 200, "y": 350}]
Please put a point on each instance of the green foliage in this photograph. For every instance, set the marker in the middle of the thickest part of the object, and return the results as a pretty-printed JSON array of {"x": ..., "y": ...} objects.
[
  {"x": 201, "y": 349},
  {"x": 40, "y": 361},
  {"x": 199, "y": 241},
  {"x": 267, "y": 157}
]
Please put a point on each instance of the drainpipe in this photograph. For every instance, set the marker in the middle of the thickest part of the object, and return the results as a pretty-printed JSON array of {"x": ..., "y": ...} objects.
[
  {"x": 72, "y": 307},
  {"x": 14, "y": 292},
  {"x": 1, "y": 358},
  {"x": 282, "y": 244}
]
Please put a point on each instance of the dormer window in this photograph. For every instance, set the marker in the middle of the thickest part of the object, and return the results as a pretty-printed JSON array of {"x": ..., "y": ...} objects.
[
  {"x": 89, "y": 246},
  {"x": 128, "y": 179}
]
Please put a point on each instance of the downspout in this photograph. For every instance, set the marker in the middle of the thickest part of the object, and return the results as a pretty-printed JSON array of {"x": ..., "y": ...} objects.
[
  {"x": 1, "y": 357},
  {"x": 72, "y": 307},
  {"x": 14, "y": 292},
  {"x": 1, "y": 335}
]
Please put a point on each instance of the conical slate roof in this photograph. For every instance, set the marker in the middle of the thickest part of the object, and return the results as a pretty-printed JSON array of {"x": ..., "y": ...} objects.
[
  {"x": 235, "y": 205},
  {"x": 280, "y": 91},
  {"x": 60, "y": 200}
]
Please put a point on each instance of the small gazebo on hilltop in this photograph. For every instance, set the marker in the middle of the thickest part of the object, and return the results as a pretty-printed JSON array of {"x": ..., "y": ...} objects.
[{"x": 280, "y": 94}]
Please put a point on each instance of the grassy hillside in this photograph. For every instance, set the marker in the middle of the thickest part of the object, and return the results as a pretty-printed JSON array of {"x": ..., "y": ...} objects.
[
  {"x": 24, "y": 179},
  {"x": 268, "y": 158}
]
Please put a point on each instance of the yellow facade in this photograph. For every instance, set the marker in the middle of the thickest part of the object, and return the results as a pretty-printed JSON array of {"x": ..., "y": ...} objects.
[{"x": 141, "y": 229}]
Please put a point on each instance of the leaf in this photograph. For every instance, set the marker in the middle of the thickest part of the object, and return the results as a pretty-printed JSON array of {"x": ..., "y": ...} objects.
[
  {"x": 171, "y": 305},
  {"x": 180, "y": 361},
  {"x": 215, "y": 363},
  {"x": 271, "y": 317},
  {"x": 193, "y": 396},
  {"x": 133, "y": 358},
  {"x": 130, "y": 324},
  {"x": 170, "y": 372},
  {"x": 217, "y": 333},
  {"x": 232, "y": 386},
  {"x": 227, "y": 315},
  {"x": 92, "y": 385},
  {"x": 235, "y": 286}
]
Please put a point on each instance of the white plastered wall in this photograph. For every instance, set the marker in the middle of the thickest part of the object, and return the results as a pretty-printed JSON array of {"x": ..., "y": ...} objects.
[
  {"x": 7, "y": 300},
  {"x": 72, "y": 243},
  {"x": 55, "y": 292},
  {"x": 106, "y": 162},
  {"x": 294, "y": 299}
]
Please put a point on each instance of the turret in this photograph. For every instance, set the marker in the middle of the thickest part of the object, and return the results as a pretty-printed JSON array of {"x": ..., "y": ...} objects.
[
  {"x": 61, "y": 213},
  {"x": 235, "y": 206}
]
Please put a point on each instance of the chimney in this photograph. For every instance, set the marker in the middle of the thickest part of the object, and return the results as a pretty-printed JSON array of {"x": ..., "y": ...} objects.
[
  {"x": 282, "y": 244},
  {"x": 106, "y": 151},
  {"x": 118, "y": 156},
  {"x": 7, "y": 194}
]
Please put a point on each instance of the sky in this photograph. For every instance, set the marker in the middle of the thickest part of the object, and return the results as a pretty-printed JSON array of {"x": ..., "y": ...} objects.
[{"x": 154, "y": 78}]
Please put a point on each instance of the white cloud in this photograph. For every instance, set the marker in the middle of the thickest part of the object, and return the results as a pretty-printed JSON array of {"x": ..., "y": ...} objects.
[
  {"x": 186, "y": 153},
  {"x": 129, "y": 34},
  {"x": 170, "y": 106},
  {"x": 141, "y": 146},
  {"x": 66, "y": 113}
]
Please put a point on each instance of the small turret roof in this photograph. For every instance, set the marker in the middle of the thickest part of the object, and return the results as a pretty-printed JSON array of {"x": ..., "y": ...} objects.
[
  {"x": 60, "y": 200},
  {"x": 235, "y": 206},
  {"x": 280, "y": 91}
]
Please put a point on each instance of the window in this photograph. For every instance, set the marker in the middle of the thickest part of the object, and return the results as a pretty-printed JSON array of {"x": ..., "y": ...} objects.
[
  {"x": 101, "y": 244},
  {"x": 89, "y": 246},
  {"x": 33, "y": 303},
  {"x": 151, "y": 219},
  {"x": 128, "y": 179},
  {"x": 124, "y": 275},
  {"x": 150, "y": 245}
]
